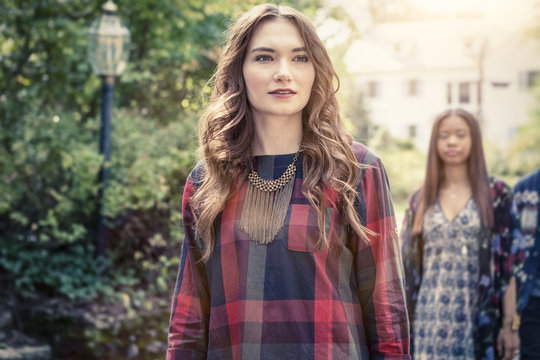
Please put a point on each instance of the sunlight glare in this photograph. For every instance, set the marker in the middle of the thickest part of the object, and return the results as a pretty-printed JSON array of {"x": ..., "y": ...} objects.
[
  {"x": 451, "y": 7},
  {"x": 508, "y": 14}
]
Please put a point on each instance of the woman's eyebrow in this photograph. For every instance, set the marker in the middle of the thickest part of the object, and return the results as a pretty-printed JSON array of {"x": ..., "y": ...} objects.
[{"x": 266, "y": 49}]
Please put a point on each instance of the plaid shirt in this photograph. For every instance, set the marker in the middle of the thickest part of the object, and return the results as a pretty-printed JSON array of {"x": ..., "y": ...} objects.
[{"x": 287, "y": 299}]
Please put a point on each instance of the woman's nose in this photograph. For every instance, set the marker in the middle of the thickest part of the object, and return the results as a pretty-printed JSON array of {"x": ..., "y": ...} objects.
[{"x": 283, "y": 72}]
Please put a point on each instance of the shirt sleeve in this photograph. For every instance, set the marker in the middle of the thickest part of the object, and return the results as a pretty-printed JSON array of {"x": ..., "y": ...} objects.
[
  {"x": 411, "y": 250},
  {"x": 380, "y": 271},
  {"x": 508, "y": 253},
  {"x": 526, "y": 223},
  {"x": 188, "y": 330}
]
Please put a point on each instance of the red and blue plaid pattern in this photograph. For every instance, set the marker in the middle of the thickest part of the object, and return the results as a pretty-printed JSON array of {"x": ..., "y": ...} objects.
[{"x": 288, "y": 299}]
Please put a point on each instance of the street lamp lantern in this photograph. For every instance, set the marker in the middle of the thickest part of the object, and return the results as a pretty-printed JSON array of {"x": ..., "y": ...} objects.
[
  {"x": 108, "y": 49},
  {"x": 108, "y": 43}
]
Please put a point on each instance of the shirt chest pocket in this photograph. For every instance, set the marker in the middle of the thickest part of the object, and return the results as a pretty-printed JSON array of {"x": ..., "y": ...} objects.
[{"x": 302, "y": 231}]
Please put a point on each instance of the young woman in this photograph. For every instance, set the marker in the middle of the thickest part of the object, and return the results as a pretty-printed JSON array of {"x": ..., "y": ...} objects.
[
  {"x": 290, "y": 248},
  {"x": 457, "y": 251}
]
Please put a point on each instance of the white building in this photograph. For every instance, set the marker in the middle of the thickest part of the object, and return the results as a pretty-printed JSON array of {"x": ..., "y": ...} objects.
[{"x": 411, "y": 71}]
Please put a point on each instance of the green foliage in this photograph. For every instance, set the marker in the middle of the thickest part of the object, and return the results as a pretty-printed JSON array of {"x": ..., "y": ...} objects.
[
  {"x": 404, "y": 163},
  {"x": 71, "y": 271},
  {"x": 148, "y": 169},
  {"x": 43, "y": 62},
  {"x": 524, "y": 153},
  {"x": 175, "y": 46},
  {"x": 150, "y": 163},
  {"x": 49, "y": 161},
  {"x": 48, "y": 198},
  {"x": 48, "y": 190}
]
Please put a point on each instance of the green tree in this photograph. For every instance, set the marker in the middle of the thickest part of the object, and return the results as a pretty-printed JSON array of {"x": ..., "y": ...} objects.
[
  {"x": 404, "y": 163},
  {"x": 523, "y": 153},
  {"x": 49, "y": 116}
]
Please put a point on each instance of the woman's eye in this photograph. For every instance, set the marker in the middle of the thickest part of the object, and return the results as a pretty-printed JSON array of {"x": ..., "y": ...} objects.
[
  {"x": 263, "y": 58},
  {"x": 301, "y": 58}
]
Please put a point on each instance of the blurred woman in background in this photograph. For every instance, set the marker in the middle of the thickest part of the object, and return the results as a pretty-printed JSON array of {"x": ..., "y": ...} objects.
[{"x": 457, "y": 251}]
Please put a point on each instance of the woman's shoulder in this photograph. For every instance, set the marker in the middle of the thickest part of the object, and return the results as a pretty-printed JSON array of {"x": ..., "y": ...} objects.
[
  {"x": 498, "y": 186},
  {"x": 501, "y": 193},
  {"x": 414, "y": 199},
  {"x": 196, "y": 176},
  {"x": 530, "y": 181},
  {"x": 364, "y": 155}
]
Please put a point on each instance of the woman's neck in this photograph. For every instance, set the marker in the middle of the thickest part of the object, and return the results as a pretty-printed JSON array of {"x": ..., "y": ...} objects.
[
  {"x": 455, "y": 177},
  {"x": 277, "y": 135}
]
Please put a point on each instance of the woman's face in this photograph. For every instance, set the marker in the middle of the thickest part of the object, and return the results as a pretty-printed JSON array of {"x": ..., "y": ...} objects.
[
  {"x": 277, "y": 70},
  {"x": 454, "y": 140}
]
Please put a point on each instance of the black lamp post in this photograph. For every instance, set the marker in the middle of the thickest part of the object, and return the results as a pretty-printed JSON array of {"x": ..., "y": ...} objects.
[{"x": 108, "y": 48}]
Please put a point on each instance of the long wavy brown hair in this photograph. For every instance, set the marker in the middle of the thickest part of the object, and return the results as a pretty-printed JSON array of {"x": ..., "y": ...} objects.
[
  {"x": 476, "y": 170},
  {"x": 226, "y": 131}
]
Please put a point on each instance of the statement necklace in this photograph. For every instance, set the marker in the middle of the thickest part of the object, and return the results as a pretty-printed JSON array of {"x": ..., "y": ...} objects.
[{"x": 266, "y": 204}]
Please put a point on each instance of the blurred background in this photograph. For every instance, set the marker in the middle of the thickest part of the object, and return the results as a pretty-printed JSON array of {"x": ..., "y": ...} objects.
[{"x": 93, "y": 160}]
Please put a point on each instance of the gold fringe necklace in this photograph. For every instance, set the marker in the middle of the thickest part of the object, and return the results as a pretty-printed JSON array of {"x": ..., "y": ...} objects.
[{"x": 266, "y": 204}]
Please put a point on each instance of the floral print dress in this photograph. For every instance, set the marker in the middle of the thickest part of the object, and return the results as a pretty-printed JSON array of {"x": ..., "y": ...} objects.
[
  {"x": 499, "y": 257},
  {"x": 447, "y": 300}
]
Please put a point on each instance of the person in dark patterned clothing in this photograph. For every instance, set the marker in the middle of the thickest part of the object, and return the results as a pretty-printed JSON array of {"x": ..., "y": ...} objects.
[
  {"x": 527, "y": 216},
  {"x": 458, "y": 251},
  {"x": 291, "y": 247}
]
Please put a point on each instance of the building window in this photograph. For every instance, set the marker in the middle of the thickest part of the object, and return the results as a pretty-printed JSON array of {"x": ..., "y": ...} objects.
[
  {"x": 449, "y": 93},
  {"x": 373, "y": 89},
  {"x": 464, "y": 92},
  {"x": 527, "y": 79},
  {"x": 512, "y": 132},
  {"x": 412, "y": 131},
  {"x": 500, "y": 84},
  {"x": 413, "y": 87}
]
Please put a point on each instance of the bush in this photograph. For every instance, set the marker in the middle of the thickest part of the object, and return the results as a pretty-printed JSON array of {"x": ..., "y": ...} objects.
[
  {"x": 48, "y": 168},
  {"x": 49, "y": 163},
  {"x": 72, "y": 272}
]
